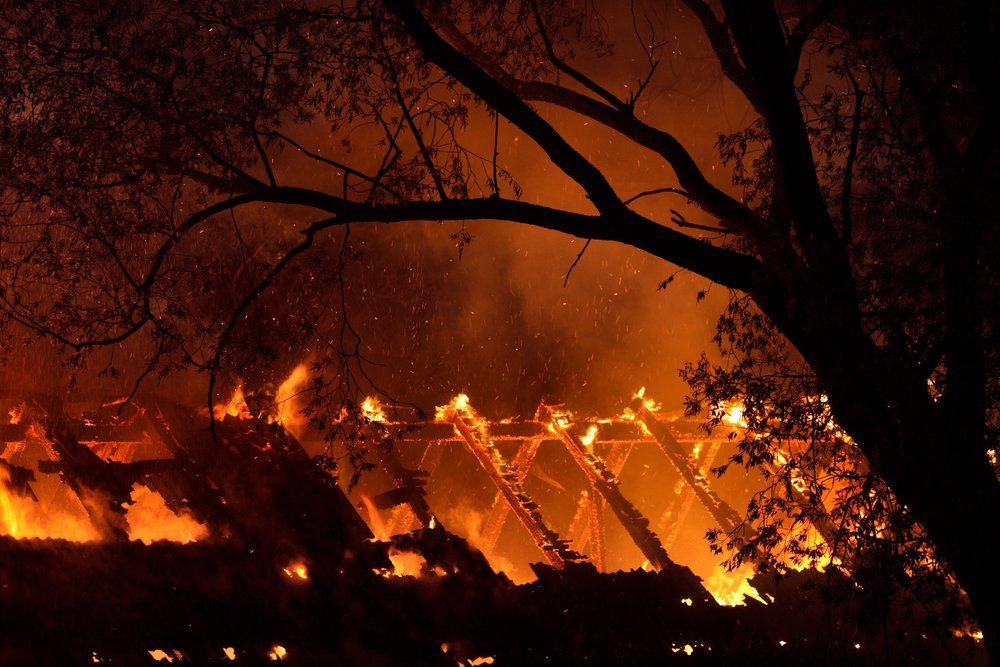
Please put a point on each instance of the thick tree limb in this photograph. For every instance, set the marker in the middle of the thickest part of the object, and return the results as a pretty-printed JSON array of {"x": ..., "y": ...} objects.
[
  {"x": 722, "y": 44},
  {"x": 456, "y": 64},
  {"x": 733, "y": 214},
  {"x": 804, "y": 28},
  {"x": 756, "y": 29},
  {"x": 726, "y": 267}
]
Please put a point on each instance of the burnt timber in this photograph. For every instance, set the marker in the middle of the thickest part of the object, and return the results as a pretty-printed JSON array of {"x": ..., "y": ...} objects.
[{"x": 268, "y": 509}]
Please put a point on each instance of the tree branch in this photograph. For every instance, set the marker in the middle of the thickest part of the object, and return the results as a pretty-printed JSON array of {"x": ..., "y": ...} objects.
[
  {"x": 852, "y": 154},
  {"x": 577, "y": 76},
  {"x": 733, "y": 214},
  {"x": 722, "y": 44},
  {"x": 457, "y": 65},
  {"x": 805, "y": 27}
]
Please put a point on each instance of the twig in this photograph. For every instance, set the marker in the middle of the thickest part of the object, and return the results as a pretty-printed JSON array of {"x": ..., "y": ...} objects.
[
  {"x": 656, "y": 192},
  {"x": 576, "y": 261},
  {"x": 679, "y": 220}
]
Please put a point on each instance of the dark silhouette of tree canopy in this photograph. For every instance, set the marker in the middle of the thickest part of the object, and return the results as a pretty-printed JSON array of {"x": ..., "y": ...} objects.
[{"x": 861, "y": 256}]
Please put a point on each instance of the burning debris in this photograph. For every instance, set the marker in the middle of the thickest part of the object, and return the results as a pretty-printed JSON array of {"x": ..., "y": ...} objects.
[{"x": 241, "y": 549}]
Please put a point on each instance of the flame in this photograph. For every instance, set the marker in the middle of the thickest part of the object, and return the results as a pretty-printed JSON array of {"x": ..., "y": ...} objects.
[
  {"x": 648, "y": 403},
  {"x": 375, "y": 522},
  {"x": 729, "y": 587},
  {"x": 150, "y": 519},
  {"x": 296, "y": 570},
  {"x": 733, "y": 415},
  {"x": 237, "y": 406},
  {"x": 405, "y": 564},
  {"x": 588, "y": 439},
  {"x": 288, "y": 409},
  {"x": 459, "y": 404},
  {"x": 372, "y": 410},
  {"x": 9, "y": 510},
  {"x": 24, "y": 518},
  {"x": 277, "y": 653}
]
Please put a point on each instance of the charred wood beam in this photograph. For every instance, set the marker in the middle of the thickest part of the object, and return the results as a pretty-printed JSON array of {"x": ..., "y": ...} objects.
[
  {"x": 673, "y": 518},
  {"x": 498, "y": 514},
  {"x": 405, "y": 516},
  {"x": 248, "y": 465},
  {"x": 404, "y": 478},
  {"x": 595, "y": 526},
  {"x": 606, "y": 484},
  {"x": 504, "y": 476},
  {"x": 724, "y": 515},
  {"x": 397, "y": 496},
  {"x": 17, "y": 479}
]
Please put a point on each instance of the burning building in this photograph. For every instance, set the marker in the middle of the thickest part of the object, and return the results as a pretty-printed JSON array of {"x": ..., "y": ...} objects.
[{"x": 132, "y": 536}]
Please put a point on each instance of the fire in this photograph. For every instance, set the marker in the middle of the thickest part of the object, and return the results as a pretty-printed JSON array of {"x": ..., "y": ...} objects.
[
  {"x": 277, "y": 653},
  {"x": 11, "y": 518},
  {"x": 296, "y": 570},
  {"x": 372, "y": 410},
  {"x": 237, "y": 406},
  {"x": 459, "y": 404},
  {"x": 150, "y": 519},
  {"x": 647, "y": 403},
  {"x": 729, "y": 587},
  {"x": 285, "y": 399},
  {"x": 405, "y": 564},
  {"x": 733, "y": 415},
  {"x": 24, "y": 518},
  {"x": 375, "y": 522}
]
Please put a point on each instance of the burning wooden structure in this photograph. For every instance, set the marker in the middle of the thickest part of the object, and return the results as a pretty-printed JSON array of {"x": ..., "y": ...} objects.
[{"x": 274, "y": 563}]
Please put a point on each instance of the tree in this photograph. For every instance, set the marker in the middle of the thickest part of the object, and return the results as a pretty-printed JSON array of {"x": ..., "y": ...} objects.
[{"x": 865, "y": 235}]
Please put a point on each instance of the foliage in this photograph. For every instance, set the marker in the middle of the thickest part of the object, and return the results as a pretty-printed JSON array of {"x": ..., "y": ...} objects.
[{"x": 860, "y": 248}]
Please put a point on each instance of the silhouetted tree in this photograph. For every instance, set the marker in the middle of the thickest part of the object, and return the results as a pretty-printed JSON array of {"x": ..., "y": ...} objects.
[{"x": 865, "y": 235}]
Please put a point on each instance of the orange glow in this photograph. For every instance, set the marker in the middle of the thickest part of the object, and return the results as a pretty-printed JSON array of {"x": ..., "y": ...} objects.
[
  {"x": 729, "y": 588},
  {"x": 297, "y": 571},
  {"x": 24, "y": 518},
  {"x": 9, "y": 511},
  {"x": 459, "y": 404},
  {"x": 372, "y": 410},
  {"x": 277, "y": 653},
  {"x": 288, "y": 400},
  {"x": 734, "y": 415},
  {"x": 236, "y": 407},
  {"x": 150, "y": 519},
  {"x": 375, "y": 522},
  {"x": 647, "y": 403},
  {"x": 405, "y": 564}
]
